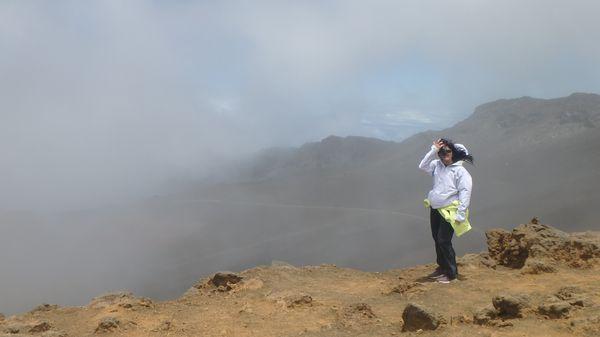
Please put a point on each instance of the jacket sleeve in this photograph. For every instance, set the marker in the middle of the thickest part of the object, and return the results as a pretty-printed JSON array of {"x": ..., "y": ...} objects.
[
  {"x": 464, "y": 186},
  {"x": 427, "y": 164}
]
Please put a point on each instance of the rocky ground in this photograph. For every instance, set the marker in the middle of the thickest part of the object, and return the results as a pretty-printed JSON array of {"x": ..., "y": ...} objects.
[{"x": 533, "y": 281}]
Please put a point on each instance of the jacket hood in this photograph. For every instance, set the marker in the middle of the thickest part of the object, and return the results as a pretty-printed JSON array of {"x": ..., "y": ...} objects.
[{"x": 461, "y": 147}]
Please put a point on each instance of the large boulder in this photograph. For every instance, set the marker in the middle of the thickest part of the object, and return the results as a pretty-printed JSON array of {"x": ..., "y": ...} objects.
[
  {"x": 542, "y": 242},
  {"x": 511, "y": 306},
  {"x": 417, "y": 317}
]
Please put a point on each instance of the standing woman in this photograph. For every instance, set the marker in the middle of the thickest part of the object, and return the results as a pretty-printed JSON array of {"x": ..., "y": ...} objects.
[{"x": 448, "y": 202}]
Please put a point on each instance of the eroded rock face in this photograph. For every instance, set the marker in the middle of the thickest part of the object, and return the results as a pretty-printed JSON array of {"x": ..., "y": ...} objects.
[
  {"x": 107, "y": 324},
  {"x": 224, "y": 280},
  {"x": 535, "y": 267},
  {"x": 541, "y": 242},
  {"x": 40, "y": 327},
  {"x": 417, "y": 317}
]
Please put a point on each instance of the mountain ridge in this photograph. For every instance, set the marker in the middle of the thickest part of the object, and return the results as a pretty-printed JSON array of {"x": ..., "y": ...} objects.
[{"x": 530, "y": 120}]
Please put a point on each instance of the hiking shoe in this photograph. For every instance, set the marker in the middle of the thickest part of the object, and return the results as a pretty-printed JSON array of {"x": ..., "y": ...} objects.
[
  {"x": 444, "y": 279},
  {"x": 436, "y": 273}
]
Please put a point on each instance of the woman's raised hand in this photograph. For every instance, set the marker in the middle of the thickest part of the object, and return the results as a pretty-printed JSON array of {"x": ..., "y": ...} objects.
[{"x": 438, "y": 143}]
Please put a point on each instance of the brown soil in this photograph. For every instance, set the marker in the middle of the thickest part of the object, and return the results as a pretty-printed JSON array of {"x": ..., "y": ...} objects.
[{"x": 283, "y": 300}]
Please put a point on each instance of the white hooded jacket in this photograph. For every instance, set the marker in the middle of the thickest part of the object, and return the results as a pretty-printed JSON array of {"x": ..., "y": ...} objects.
[{"x": 452, "y": 182}]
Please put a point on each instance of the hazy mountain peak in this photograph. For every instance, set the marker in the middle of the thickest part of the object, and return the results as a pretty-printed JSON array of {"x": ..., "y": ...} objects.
[
  {"x": 527, "y": 105},
  {"x": 331, "y": 138},
  {"x": 584, "y": 95},
  {"x": 534, "y": 120}
]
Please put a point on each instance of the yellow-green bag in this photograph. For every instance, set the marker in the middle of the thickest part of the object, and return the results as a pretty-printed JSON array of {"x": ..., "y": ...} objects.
[{"x": 449, "y": 214}]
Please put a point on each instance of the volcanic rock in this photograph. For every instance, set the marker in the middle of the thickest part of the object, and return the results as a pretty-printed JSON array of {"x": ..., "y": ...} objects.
[
  {"x": 17, "y": 327},
  {"x": 107, "y": 324},
  {"x": 485, "y": 316},
  {"x": 299, "y": 300},
  {"x": 543, "y": 242},
  {"x": 510, "y": 306},
  {"x": 40, "y": 327},
  {"x": 417, "y": 317},
  {"x": 224, "y": 280},
  {"x": 537, "y": 267},
  {"x": 558, "y": 309}
]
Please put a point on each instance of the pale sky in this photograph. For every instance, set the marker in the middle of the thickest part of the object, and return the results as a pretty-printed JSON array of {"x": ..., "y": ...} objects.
[{"x": 106, "y": 99}]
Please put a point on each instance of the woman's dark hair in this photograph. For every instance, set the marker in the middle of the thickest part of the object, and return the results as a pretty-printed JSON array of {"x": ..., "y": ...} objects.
[{"x": 457, "y": 153}]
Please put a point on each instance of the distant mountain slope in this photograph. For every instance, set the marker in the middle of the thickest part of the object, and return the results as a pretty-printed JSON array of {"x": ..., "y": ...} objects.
[
  {"x": 502, "y": 124},
  {"x": 529, "y": 153},
  {"x": 332, "y": 153}
]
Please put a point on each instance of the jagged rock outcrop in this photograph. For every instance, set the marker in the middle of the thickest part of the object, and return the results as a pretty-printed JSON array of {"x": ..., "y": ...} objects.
[
  {"x": 541, "y": 243},
  {"x": 224, "y": 280}
]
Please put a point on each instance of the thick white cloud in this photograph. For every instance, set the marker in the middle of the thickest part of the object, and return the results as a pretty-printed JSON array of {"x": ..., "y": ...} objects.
[{"x": 108, "y": 99}]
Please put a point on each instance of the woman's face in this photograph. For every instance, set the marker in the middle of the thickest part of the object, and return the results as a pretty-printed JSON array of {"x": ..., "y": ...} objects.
[{"x": 445, "y": 155}]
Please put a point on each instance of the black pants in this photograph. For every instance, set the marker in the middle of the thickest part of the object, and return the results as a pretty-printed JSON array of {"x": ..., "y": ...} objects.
[{"x": 442, "y": 233}]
